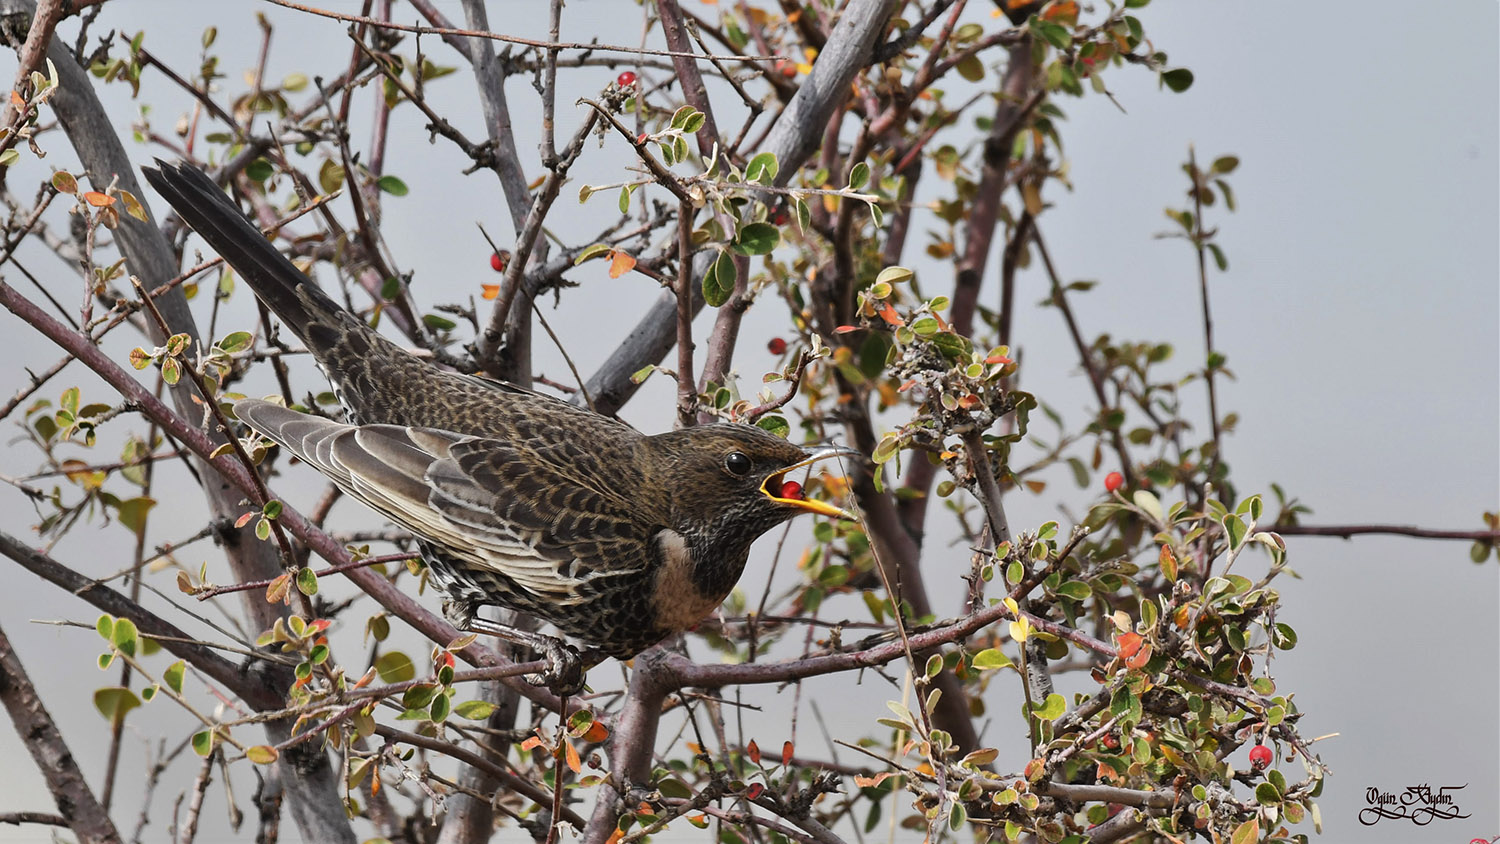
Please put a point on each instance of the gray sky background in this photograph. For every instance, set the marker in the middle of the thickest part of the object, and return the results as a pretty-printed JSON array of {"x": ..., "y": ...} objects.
[{"x": 1359, "y": 316}]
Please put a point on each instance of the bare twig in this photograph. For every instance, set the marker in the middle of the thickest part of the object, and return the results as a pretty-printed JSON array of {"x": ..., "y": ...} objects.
[{"x": 511, "y": 39}]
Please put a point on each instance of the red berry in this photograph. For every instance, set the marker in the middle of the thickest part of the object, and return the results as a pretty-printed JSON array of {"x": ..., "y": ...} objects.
[
  {"x": 625, "y": 80},
  {"x": 1260, "y": 757},
  {"x": 791, "y": 489},
  {"x": 1113, "y": 481},
  {"x": 777, "y": 346},
  {"x": 498, "y": 261}
]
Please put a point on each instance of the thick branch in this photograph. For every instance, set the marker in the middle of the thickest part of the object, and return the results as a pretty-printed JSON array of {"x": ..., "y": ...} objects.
[
  {"x": 75, "y": 801},
  {"x": 792, "y": 139}
]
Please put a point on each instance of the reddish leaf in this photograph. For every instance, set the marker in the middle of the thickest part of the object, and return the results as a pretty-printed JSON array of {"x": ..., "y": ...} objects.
[
  {"x": 786, "y": 753},
  {"x": 574, "y": 764},
  {"x": 278, "y": 589},
  {"x": 97, "y": 199},
  {"x": 754, "y": 791},
  {"x": 1129, "y": 644},
  {"x": 620, "y": 263},
  {"x": 490, "y": 291},
  {"x": 753, "y": 750}
]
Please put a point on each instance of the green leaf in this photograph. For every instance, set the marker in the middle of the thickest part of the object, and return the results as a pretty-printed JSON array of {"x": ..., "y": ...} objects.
[
  {"x": 970, "y": 67},
  {"x": 774, "y": 424},
  {"x": 681, "y": 116},
  {"x": 1052, "y": 708},
  {"x": 756, "y": 239},
  {"x": 392, "y": 185},
  {"x": 1225, "y": 164},
  {"x": 203, "y": 743},
  {"x": 1075, "y": 589},
  {"x": 597, "y": 250},
  {"x": 762, "y": 169},
  {"x": 474, "y": 710},
  {"x": 991, "y": 658},
  {"x": 1054, "y": 34},
  {"x": 125, "y": 637},
  {"x": 236, "y": 342},
  {"x": 307, "y": 581},
  {"x": 894, "y": 275},
  {"x": 1178, "y": 79},
  {"x": 114, "y": 702},
  {"x": 1234, "y": 529},
  {"x": 173, "y": 676},
  {"x": 106, "y": 627},
  {"x": 1126, "y": 706},
  {"x": 644, "y": 372},
  {"x": 859, "y": 175},
  {"x": 330, "y": 177},
  {"x": 718, "y": 281},
  {"x": 259, "y": 170},
  {"x": 1219, "y": 260},
  {"x": 438, "y": 323},
  {"x": 1149, "y": 503},
  {"x": 395, "y": 667},
  {"x": 625, "y": 193}
]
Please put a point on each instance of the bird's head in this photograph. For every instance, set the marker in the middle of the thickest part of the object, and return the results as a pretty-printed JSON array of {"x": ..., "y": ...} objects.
[{"x": 734, "y": 479}]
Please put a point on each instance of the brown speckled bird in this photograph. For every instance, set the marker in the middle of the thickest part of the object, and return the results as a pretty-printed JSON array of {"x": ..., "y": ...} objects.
[{"x": 617, "y": 538}]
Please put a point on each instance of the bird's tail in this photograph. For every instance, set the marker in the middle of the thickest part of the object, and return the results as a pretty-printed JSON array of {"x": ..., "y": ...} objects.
[{"x": 284, "y": 288}]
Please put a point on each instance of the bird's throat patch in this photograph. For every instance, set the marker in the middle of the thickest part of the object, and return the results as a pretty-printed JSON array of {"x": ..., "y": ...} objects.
[{"x": 676, "y": 598}]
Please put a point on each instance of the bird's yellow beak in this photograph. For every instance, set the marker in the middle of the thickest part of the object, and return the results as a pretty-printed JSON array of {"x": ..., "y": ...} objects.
[{"x": 773, "y": 485}]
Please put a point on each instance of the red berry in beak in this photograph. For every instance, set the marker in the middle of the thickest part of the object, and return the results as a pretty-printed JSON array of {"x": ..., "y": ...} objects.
[{"x": 791, "y": 489}]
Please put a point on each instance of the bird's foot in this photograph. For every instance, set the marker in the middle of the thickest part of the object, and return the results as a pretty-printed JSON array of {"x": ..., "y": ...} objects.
[
  {"x": 566, "y": 665},
  {"x": 565, "y": 671}
]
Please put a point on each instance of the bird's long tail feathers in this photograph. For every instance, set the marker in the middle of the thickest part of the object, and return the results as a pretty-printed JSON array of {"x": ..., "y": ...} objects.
[{"x": 205, "y": 207}]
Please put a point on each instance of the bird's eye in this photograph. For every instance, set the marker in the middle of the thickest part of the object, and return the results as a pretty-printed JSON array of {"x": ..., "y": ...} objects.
[{"x": 737, "y": 463}]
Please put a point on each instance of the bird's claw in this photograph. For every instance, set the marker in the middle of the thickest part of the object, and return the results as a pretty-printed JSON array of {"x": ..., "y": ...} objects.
[{"x": 565, "y": 670}]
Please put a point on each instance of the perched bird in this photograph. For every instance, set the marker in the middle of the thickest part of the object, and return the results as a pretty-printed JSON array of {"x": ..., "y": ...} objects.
[{"x": 618, "y": 539}]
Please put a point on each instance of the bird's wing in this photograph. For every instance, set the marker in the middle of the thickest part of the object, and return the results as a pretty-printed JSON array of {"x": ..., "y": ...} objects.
[{"x": 487, "y": 502}]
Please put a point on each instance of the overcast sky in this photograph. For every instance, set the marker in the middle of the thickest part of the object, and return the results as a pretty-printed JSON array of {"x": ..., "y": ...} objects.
[{"x": 1359, "y": 316}]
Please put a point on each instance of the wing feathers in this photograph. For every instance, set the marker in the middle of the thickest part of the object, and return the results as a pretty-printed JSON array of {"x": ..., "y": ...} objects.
[{"x": 484, "y": 501}]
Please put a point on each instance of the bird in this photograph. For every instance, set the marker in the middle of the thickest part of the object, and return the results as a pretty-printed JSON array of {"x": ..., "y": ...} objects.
[{"x": 618, "y": 539}]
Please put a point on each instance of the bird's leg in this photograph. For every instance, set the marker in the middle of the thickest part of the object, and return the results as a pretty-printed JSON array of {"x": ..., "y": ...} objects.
[{"x": 566, "y": 665}]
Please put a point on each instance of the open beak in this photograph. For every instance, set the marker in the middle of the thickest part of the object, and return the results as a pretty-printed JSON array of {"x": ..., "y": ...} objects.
[{"x": 773, "y": 484}]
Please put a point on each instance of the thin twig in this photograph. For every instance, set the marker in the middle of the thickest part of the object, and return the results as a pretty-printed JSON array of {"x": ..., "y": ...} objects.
[{"x": 513, "y": 39}]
